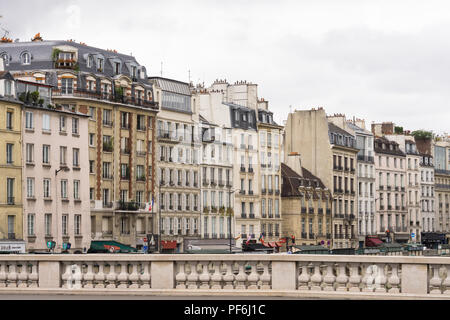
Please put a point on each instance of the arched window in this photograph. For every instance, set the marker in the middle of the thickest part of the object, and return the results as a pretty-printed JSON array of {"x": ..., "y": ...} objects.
[{"x": 25, "y": 58}]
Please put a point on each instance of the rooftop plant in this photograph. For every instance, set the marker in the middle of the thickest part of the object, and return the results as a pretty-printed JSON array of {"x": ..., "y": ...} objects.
[{"x": 422, "y": 134}]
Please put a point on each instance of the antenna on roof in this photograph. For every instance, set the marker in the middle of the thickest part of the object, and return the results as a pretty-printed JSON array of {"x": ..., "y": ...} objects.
[
  {"x": 189, "y": 72},
  {"x": 161, "y": 68}
]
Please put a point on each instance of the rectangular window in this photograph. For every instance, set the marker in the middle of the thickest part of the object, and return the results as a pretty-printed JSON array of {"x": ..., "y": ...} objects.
[
  {"x": 9, "y": 153},
  {"x": 30, "y": 153},
  {"x": 30, "y": 224},
  {"x": 29, "y": 122},
  {"x": 76, "y": 189},
  {"x": 76, "y": 157},
  {"x": 64, "y": 189},
  {"x": 11, "y": 226},
  {"x": 10, "y": 190},
  {"x": 75, "y": 122},
  {"x": 77, "y": 224},
  {"x": 48, "y": 224},
  {"x": 62, "y": 123},
  {"x": 64, "y": 220},
  {"x": 9, "y": 120},
  {"x": 30, "y": 187},
  {"x": 66, "y": 86},
  {"x": 62, "y": 155},
  {"x": 46, "y": 188},
  {"x": 46, "y": 154}
]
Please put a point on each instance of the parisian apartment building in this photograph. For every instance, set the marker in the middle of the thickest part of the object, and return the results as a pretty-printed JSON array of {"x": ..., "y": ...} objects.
[
  {"x": 55, "y": 172},
  {"x": 365, "y": 173},
  {"x": 441, "y": 150},
  {"x": 113, "y": 90},
  {"x": 254, "y": 140},
  {"x": 11, "y": 205}
]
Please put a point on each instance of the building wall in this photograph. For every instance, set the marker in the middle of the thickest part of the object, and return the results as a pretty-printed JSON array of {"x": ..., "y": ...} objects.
[
  {"x": 13, "y": 170},
  {"x": 55, "y": 205},
  {"x": 306, "y": 132}
]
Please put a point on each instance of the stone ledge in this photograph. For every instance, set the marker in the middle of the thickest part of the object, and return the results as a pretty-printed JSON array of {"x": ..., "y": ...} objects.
[{"x": 217, "y": 293}]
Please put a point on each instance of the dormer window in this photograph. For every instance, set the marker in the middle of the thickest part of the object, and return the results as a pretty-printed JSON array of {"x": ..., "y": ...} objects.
[
  {"x": 90, "y": 61},
  {"x": 117, "y": 68},
  {"x": 244, "y": 117},
  {"x": 26, "y": 58},
  {"x": 100, "y": 64},
  {"x": 5, "y": 58},
  {"x": 133, "y": 71}
]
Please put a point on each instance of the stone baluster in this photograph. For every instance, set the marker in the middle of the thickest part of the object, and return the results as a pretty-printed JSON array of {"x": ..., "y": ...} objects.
[
  {"x": 394, "y": 279},
  {"x": 181, "y": 276},
  {"x": 216, "y": 278},
  {"x": 342, "y": 278},
  {"x": 204, "y": 277},
  {"x": 34, "y": 276},
  {"x": 316, "y": 278},
  {"x": 355, "y": 278},
  {"x": 23, "y": 276},
  {"x": 192, "y": 278},
  {"x": 446, "y": 282},
  {"x": 145, "y": 276},
  {"x": 241, "y": 277},
  {"x": 265, "y": 277},
  {"x": 122, "y": 278},
  {"x": 380, "y": 279},
  {"x": 228, "y": 278},
  {"x": 304, "y": 277},
  {"x": 435, "y": 282},
  {"x": 111, "y": 277},
  {"x": 12, "y": 275},
  {"x": 66, "y": 275},
  {"x": 253, "y": 277},
  {"x": 3, "y": 274},
  {"x": 134, "y": 276},
  {"x": 329, "y": 278},
  {"x": 368, "y": 278},
  {"x": 100, "y": 276},
  {"x": 88, "y": 277}
]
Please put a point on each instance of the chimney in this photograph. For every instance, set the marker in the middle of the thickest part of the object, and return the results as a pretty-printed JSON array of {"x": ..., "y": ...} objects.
[{"x": 295, "y": 163}]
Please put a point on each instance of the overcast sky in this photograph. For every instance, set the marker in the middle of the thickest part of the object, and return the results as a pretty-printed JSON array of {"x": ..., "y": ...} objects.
[{"x": 377, "y": 60}]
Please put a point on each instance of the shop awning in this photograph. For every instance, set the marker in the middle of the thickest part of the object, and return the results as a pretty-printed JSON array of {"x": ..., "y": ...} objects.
[
  {"x": 374, "y": 242},
  {"x": 169, "y": 245},
  {"x": 110, "y": 247}
]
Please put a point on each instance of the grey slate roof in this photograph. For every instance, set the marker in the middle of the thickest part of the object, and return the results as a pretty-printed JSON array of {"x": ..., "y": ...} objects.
[
  {"x": 41, "y": 57},
  {"x": 335, "y": 129},
  {"x": 171, "y": 85}
]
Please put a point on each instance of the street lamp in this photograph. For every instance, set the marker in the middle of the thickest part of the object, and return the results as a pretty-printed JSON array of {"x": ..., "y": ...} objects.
[
  {"x": 65, "y": 169},
  {"x": 229, "y": 218}
]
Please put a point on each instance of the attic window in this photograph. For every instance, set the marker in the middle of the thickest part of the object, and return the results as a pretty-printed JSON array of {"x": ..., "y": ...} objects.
[
  {"x": 5, "y": 58},
  {"x": 133, "y": 71},
  {"x": 25, "y": 58},
  {"x": 90, "y": 61},
  {"x": 117, "y": 68}
]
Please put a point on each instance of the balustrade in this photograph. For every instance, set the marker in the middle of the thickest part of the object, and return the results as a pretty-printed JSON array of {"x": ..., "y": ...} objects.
[{"x": 313, "y": 275}]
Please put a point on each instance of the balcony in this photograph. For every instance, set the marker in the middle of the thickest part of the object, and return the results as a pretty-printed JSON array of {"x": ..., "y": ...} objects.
[
  {"x": 381, "y": 187},
  {"x": 205, "y": 182},
  {"x": 277, "y": 192},
  {"x": 388, "y": 188},
  {"x": 304, "y": 235},
  {"x": 311, "y": 236},
  {"x": 320, "y": 211},
  {"x": 116, "y": 98},
  {"x": 221, "y": 183},
  {"x": 251, "y": 216},
  {"x": 108, "y": 147},
  {"x": 129, "y": 206},
  {"x": 270, "y": 192},
  {"x": 107, "y": 205},
  {"x": 328, "y": 211},
  {"x": 213, "y": 183},
  {"x": 242, "y": 169},
  {"x": 250, "y": 193},
  {"x": 263, "y": 191},
  {"x": 242, "y": 192},
  {"x": 303, "y": 209},
  {"x": 140, "y": 178},
  {"x": 243, "y": 216},
  {"x": 10, "y": 201},
  {"x": 311, "y": 210},
  {"x": 107, "y": 123}
]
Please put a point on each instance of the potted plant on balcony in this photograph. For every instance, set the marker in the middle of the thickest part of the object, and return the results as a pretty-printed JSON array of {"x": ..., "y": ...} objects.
[
  {"x": 55, "y": 54},
  {"x": 230, "y": 212},
  {"x": 222, "y": 210},
  {"x": 214, "y": 209},
  {"x": 41, "y": 102},
  {"x": 206, "y": 210},
  {"x": 34, "y": 97}
]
